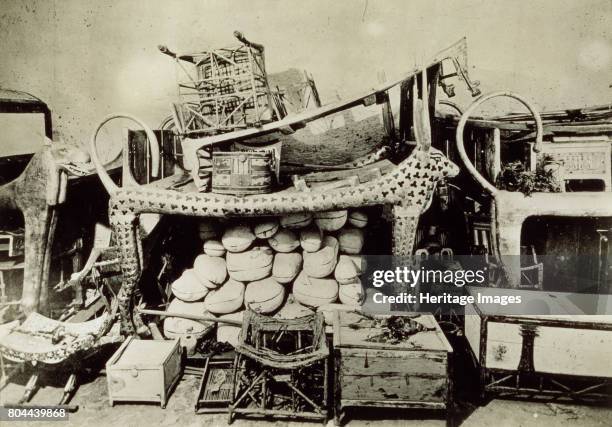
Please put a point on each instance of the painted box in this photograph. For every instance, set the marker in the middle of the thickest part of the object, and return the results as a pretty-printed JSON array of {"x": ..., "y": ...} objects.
[{"x": 541, "y": 355}]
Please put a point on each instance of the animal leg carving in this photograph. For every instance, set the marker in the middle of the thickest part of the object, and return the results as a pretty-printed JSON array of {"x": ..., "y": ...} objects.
[
  {"x": 39, "y": 229},
  {"x": 125, "y": 226},
  {"x": 405, "y": 222}
]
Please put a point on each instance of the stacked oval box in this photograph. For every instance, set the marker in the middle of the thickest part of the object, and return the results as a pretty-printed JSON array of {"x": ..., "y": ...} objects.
[{"x": 281, "y": 267}]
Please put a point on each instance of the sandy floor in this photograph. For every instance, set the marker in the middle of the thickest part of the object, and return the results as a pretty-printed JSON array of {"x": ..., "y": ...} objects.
[{"x": 95, "y": 410}]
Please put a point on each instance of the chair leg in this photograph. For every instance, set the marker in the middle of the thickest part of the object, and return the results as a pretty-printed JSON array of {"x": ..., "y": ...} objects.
[
  {"x": 69, "y": 388},
  {"x": 29, "y": 389}
]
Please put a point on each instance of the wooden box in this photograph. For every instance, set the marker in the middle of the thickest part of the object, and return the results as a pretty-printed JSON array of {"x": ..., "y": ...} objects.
[
  {"x": 143, "y": 371},
  {"x": 242, "y": 172},
  {"x": 414, "y": 373},
  {"x": 540, "y": 355}
]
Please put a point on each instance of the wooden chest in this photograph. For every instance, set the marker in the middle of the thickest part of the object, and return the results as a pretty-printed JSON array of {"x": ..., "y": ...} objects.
[
  {"x": 414, "y": 373},
  {"x": 540, "y": 355},
  {"x": 143, "y": 371}
]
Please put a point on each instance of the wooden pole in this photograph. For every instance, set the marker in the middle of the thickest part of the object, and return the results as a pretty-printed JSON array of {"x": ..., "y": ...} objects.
[{"x": 189, "y": 316}]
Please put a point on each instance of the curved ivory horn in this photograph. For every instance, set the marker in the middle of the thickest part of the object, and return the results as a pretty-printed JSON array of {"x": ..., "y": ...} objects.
[
  {"x": 464, "y": 118},
  {"x": 108, "y": 183}
]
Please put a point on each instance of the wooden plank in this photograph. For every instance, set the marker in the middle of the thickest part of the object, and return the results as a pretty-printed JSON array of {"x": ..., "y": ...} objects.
[
  {"x": 395, "y": 388},
  {"x": 386, "y": 362},
  {"x": 394, "y": 404}
]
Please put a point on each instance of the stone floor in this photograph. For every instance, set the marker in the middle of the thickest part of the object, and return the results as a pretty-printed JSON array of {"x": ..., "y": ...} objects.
[{"x": 94, "y": 409}]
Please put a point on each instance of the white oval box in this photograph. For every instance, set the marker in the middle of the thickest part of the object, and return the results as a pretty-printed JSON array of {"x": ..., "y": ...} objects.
[
  {"x": 314, "y": 292},
  {"x": 264, "y": 296},
  {"x": 227, "y": 299}
]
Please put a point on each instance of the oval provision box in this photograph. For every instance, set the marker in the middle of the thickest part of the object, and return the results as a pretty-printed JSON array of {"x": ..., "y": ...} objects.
[
  {"x": 242, "y": 172},
  {"x": 358, "y": 219},
  {"x": 266, "y": 229},
  {"x": 296, "y": 220},
  {"x": 264, "y": 296},
  {"x": 227, "y": 299},
  {"x": 237, "y": 238},
  {"x": 322, "y": 262},
  {"x": 213, "y": 248},
  {"x": 314, "y": 292},
  {"x": 284, "y": 241},
  {"x": 346, "y": 270},
  {"x": 351, "y": 294},
  {"x": 188, "y": 287},
  {"x": 229, "y": 333},
  {"x": 210, "y": 270},
  {"x": 311, "y": 239},
  {"x": 286, "y": 266},
  {"x": 331, "y": 220},
  {"x": 185, "y": 329},
  {"x": 254, "y": 264},
  {"x": 350, "y": 240}
]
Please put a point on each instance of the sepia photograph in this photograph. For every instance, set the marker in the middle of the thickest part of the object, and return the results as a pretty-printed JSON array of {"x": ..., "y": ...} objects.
[{"x": 298, "y": 213}]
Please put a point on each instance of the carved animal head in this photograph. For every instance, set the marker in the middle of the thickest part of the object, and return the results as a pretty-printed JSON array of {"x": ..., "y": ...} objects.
[
  {"x": 433, "y": 161},
  {"x": 442, "y": 166}
]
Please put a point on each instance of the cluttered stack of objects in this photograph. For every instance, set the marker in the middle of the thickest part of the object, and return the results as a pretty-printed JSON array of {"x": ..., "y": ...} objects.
[
  {"x": 279, "y": 256},
  {"x": 220, "y": 91},
  {"x": 284, "y": 267},
  {"x": 249, "y": 276}
]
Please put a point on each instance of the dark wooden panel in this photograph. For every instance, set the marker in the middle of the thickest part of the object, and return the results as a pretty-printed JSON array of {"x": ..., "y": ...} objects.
[
  {"x": 389, "y": 362},
  {"x": 393, "y": 387}
]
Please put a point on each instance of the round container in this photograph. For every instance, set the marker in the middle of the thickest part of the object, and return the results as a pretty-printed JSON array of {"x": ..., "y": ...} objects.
[
  {"x": 286, "y": 266},
  {"x": 358, "y": 219},
  {"x": 296, "y": 220},
  {"x": 351, "y": 240},
  {"x": 210, "y": 270},
  {"x": 311, "y": 239},
  {"x": 264, "y": 296},
  {"x": 346, "y": 270},
  {"x": 186, "y": 329},
  {"x": 266, "y": 229},
  {"x": 188, "y": 287},
  {"x": 331, "y": 220},
  {"x": 351, "y": 294},
  {"x": 214, "y": 248},
  {"x": 284, "y": 241},
  {"x": 314, "y": 292},
  {"x": 254, "y": 264},
  {"x": 237, "y": 238},
  {"x": 227, "y": 299},
  {"x": 322, "y": 262}
]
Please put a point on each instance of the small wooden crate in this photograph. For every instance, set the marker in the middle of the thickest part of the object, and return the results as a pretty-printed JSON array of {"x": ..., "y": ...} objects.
[
  {"x": 540, "y": 356},
  {"x": 143, "y": 371},
  {"x": 415, "y": 373}
]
